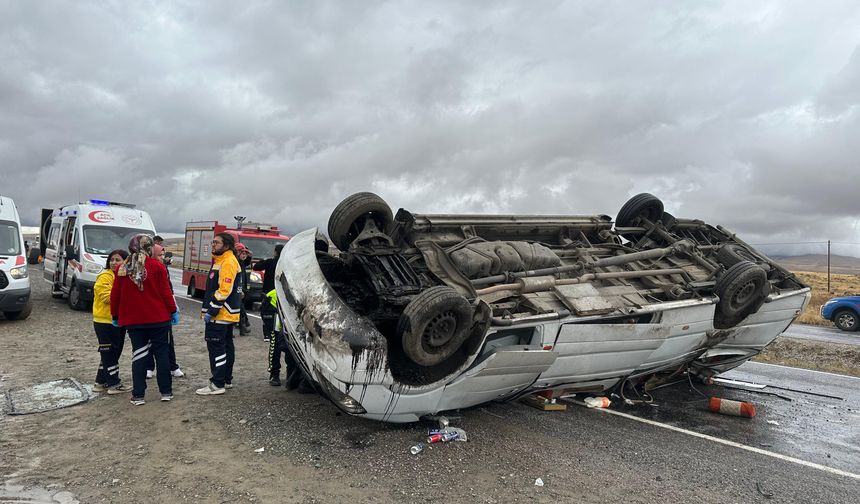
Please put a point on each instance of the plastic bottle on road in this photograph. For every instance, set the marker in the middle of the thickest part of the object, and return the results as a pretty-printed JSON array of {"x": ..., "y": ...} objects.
[{"x": 597, "y": 402}]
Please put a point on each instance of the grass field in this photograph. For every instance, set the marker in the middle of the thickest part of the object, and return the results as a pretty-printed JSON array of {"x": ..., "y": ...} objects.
[{"x": 840, "y": 285}]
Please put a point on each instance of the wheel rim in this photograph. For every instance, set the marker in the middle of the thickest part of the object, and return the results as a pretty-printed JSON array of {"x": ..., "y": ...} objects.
[
  {"x": 744, "y": 295},
  {"x": 439, "y": 332},
  {"x": 846, "y": 320}
]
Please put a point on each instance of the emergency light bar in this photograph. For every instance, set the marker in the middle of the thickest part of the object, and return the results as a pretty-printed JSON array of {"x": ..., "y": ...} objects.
[
  {"x": 109, "y": 203},
  {"x": 259, "y": 226}
]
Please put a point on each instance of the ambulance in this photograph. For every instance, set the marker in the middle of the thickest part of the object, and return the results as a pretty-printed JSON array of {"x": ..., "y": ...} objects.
[
  {"x": 77, "y": 240},
  {"x": 14, "y": 278}
]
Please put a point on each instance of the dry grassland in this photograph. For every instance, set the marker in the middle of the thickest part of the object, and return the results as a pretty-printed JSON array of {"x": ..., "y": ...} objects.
[
  {"x": 840, "y": 285},
  {"x": 818, "y": 356}
]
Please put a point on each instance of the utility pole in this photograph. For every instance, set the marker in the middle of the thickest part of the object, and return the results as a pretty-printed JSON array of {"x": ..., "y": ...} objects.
[{"x": 828, "y": 267}]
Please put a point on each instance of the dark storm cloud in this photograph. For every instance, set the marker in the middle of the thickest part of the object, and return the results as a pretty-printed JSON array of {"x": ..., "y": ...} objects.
[{"x": 737, "y": 113}]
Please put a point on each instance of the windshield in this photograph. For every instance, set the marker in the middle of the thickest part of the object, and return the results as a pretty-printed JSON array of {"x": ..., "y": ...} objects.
[
  {"x": 261, "y": 248},
  {"x": 10, "y": 243},
  {"x": 103, "y": 239}
]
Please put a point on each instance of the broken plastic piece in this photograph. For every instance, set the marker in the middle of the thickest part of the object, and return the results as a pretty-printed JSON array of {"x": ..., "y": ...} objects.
[
  {"x": 597, "y": 402},
  {"x": 538, "y": 482},
  {"x": 260, "y": 450}
]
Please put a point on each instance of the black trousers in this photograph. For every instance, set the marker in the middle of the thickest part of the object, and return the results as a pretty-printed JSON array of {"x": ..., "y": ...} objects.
[
  {"x": 143, "y": 342},
  {"x": 244, "y": 322},
  {"x": 171, "y": 354},
  {"x": 222, "y": 353},
  {"x": 295, "y": 375},
  {"x": 267, "y": 313},
  {"x": 278, "y": 346},
  {"x": 111, "y": 340}
]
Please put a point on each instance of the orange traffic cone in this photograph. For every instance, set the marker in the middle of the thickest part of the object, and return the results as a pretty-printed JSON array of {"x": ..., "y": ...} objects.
[{"x": 729, "y": 407}]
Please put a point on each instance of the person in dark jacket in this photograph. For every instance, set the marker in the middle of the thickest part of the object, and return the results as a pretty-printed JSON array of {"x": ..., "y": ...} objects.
[
  {"x": 267, "y": 311},
  {"x": 244, "y": 258},
  {"x": 142, "y": 303}
]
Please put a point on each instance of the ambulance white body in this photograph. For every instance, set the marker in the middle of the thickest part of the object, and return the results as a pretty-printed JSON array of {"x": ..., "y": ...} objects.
[
  {"x": 14, "y": 277},
  {"x": 78, "y": 239}
]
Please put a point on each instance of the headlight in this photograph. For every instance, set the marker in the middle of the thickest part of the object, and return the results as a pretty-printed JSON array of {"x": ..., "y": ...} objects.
[
  {"x": 18, "y": 273},
  {"x": 90, "y": 267},
  {"x": 255, "y": 277},
  {"x": 341, "y": 400}
]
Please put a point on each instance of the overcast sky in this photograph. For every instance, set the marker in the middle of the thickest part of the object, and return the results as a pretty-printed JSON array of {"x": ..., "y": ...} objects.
[{"x": 739, "y": 113}]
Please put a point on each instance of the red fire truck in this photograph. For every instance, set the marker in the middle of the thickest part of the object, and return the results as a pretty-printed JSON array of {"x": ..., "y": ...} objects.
[{"x": 197, "y": 259}]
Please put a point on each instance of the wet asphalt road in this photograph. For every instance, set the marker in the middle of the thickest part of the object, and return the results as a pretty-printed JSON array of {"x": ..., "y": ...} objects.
[
  {"x": 790, "y": 420},
  {"x": 821, "y": 431},
  {"x": 820, "y": 333}
]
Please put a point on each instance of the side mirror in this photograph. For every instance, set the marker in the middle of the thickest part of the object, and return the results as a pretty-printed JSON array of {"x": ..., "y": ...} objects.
[{"x": 70, "y": 253}]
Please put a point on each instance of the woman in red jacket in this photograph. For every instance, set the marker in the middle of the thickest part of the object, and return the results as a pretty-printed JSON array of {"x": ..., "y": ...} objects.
[{"x": 142, "y": 303}]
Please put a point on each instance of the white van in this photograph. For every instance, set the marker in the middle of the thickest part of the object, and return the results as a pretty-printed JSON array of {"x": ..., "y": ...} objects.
[
  {"x": 78, "y": 239},
  {"x": 14, "y": 278}
]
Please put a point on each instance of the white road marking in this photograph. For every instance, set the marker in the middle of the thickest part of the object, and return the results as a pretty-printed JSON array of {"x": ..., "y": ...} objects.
[
  {"x": 802, "y": 369},
  {"x": 183, "y": 296},
  {"x": 726, "y": 442}
]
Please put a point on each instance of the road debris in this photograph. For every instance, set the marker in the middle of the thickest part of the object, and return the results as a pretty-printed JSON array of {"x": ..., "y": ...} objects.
[
  {"x": 260, "y": 450},
  {"x": 762, "y": 491},
  {"x": 729, "y": 407},
  {"x": 539, "y": 482},
  {"x": 743, "y": 385},
  {"x": 416, "y": 448},
  {"x": 542, "y": 402},
  {"x": 773, "y": 422},
  {"x": 597, "y": 402}
]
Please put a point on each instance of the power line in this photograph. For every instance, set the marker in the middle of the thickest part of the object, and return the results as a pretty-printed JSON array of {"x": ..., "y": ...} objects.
[{"x": 805, "y": 243}]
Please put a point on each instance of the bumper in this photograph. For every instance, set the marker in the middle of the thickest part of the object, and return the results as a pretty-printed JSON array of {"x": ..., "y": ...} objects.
[
  {"x": 14, "y": 299},
  {"x": 86, "y": 288},
  {"x": 755, "y": 333}
]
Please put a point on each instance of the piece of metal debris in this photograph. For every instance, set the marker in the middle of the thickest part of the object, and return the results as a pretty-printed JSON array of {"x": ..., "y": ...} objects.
[
  {"x": 45, "y": 396},
  {"x": 761, "y": 490}
]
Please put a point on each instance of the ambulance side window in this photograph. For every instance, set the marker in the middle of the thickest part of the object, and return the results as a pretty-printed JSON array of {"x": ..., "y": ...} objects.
[
  {"x": 70, "y": 231},
  {"x": 54, "y": 236}
]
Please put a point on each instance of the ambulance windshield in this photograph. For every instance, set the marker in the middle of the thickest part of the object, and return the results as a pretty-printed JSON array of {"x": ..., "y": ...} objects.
[
  {"x": 103, "y": 239},
  {"x": 10, "y": 243}
]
